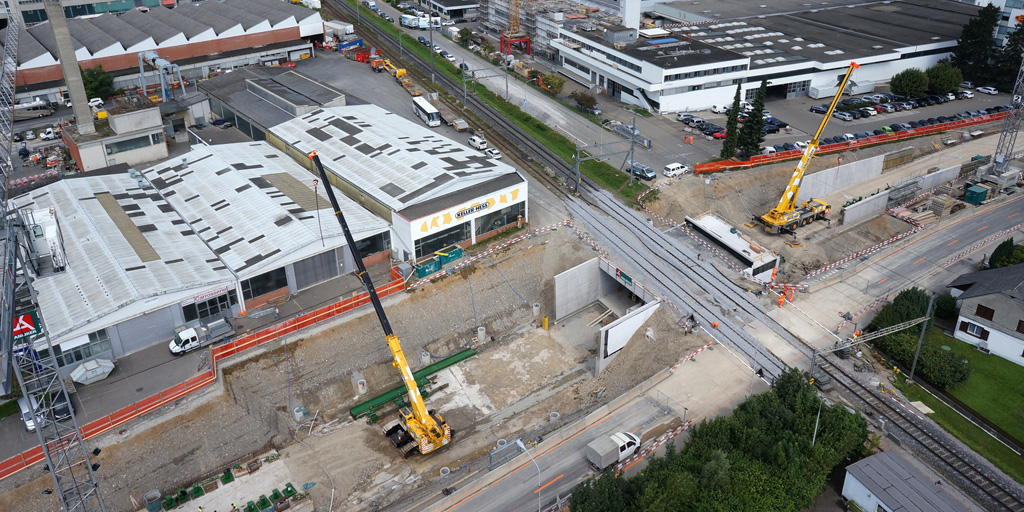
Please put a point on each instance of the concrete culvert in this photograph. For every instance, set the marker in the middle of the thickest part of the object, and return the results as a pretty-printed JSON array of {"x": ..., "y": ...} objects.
[{"x": 445, "y": 471}]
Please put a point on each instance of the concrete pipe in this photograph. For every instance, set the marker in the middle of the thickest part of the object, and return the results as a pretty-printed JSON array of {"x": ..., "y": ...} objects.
[
  {"x": 536, "y": 308},
  {"x": 481, "y": 334},
  {"x": 361, "y": 386}
]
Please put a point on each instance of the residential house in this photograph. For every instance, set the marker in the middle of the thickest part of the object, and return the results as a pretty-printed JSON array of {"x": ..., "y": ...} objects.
[{"x": 992, "y": 311}]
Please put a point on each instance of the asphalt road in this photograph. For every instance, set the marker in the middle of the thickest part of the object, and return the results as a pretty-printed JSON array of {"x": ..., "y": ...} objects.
[{"x": 562, "y": 467}]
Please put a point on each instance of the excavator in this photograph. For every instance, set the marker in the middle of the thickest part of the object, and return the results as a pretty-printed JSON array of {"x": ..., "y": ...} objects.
[
  {"x": 786, "y": 216},
  {"x": 416, "y": 430}
]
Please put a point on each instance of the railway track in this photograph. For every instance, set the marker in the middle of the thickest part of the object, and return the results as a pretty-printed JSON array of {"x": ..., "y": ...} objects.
[{"x": 662, "y": 252}]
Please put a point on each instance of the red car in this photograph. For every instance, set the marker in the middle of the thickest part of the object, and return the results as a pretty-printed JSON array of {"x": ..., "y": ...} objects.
[{"x": 719, "y": 135}]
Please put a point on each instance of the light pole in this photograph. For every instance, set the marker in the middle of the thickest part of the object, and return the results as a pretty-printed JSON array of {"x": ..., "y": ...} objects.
[
  {"x": 432, "y": 52},
  {"x": 816, "y": 420},
  {"x": 920, "y": 339},
  {"x": 684, "y": 414},
  {"x": 519, "y": 442},
  {"x": 401, "y": 49}
]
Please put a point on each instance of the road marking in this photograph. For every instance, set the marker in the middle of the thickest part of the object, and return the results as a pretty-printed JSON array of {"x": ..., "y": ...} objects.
[
  {"x": 953, "y": 242},
  {"x": 983, "y": 227},
  {"x": 1014, "y": 215},
  {"x": 549, "y": 483},
  {"x": 884, "y": 279},
  {"x": 918, "y": 260}
]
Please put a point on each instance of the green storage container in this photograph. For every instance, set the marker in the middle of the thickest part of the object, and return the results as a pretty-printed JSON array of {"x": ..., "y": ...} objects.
[
  {"x": 975, "y": 195},
  {"x": 427, "y": 267},
  {"x": 453, "y": 252}
]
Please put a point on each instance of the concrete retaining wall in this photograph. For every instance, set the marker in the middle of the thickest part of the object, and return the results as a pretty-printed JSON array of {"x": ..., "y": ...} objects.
[
  {"x": 821, "y": 184},
  {"x": 615, "y": 335},
  {"x": 939, "y": 177},
  {"x": 579, "y": 286},
  {"x": 866, "y": 209}
]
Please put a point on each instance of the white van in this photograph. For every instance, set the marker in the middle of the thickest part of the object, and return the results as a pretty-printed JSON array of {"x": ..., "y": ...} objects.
[
  {"x": 478, "y": 142},
  {"x": 768, "y": 151},
  {"x": 675, "y": 169}
]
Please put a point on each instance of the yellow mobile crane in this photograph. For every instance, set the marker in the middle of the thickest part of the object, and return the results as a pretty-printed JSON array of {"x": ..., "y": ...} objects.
[
  {"x": 416, "y": 429},
  {"x": 785, "y": 217}
]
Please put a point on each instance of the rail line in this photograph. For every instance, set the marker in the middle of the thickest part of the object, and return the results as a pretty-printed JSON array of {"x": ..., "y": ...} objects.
[{"x": 674, "y": 255}]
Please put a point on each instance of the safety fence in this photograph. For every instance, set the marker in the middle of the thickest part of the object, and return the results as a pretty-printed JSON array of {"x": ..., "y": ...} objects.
[
  {"x": 982, "y": 243},
  {"x": 832, "y": 267},
  {"x": 729, "y": 165},
  {"x": 135, "y": 410}
]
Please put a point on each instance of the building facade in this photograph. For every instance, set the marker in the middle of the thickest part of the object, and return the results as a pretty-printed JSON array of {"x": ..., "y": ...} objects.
[{"x": 992, "y": 311}]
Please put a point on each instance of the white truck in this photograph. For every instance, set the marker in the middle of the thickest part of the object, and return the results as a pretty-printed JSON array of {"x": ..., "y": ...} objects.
[
  {"x": 197, "y": 337},
  {"x": 605, "y": 451}
]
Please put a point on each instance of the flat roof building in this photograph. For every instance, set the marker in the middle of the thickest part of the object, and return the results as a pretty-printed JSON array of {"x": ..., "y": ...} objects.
[
  {"x": 140, "y": 254},
  {"x": 434, "y": 191},
  {"x": 706, "y": 53},
  {"x": 884, "y": 481}
]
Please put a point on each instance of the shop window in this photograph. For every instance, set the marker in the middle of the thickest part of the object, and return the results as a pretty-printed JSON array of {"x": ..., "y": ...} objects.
[
  {"x": 218, "y": 306},
  {"x": 501, "y": 218},
  {"x": 430, "y": 244},
  {"x": 264, "y": 283},
  {"x": 98, "y": 344}
]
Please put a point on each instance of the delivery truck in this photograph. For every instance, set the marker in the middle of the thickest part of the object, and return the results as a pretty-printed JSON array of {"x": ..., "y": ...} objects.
[
  {"x": 200, "y": 336},
  {"x": 605, "y": 451}
]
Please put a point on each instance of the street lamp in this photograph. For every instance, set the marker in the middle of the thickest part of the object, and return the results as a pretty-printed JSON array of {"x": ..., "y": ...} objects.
[
  {"x": 430, "y": 27},
  {"x": 519, "y": 442}
]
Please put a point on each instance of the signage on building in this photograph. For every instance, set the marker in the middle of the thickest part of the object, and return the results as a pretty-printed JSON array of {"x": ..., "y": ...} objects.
[
  {"x": 472, "y": 209},
  {"x": 205, "y": 296},
  {"x": 469, "y": 210},
  {"x": 26, "y": 325}
]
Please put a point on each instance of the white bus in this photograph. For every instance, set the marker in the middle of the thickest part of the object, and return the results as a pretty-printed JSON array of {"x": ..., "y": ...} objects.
[
  {"x": 425, "y": 111},
  {"x": 37, "y": 108}
]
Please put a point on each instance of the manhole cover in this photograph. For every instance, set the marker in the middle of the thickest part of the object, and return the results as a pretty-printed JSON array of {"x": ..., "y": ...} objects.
[
  {"x": 946, "y": 347},
  {"x": 138, "y": 390}
]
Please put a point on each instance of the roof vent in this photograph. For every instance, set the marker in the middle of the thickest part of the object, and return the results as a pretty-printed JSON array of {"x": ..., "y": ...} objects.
[
  {"x": 877, "y": 47},
  {"x": 936, "y": 38},
  {"x": 184, "y": 163}
]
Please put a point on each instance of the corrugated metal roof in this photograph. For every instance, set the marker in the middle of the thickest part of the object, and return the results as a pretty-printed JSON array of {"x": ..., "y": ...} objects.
[
  {"x": 214, "y": 19},
  {"x": 247, "y": 19},
  {"x": 230, "y": 195},
  {"x": 271, "y": 12},
  {"x": 398, "y": 162},
  {"x": 104, "y": 272},
  {"x": 170, "y": 17},
  {"x": 160, "y": 32},
  {"x": 92, "y": 37},
  {"x": 900, "y": 486},
  {"x": 126, "y": 33}
]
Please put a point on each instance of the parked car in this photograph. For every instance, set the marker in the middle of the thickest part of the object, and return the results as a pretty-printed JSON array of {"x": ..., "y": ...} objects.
[
  {"x": 683, "y": 116},
  {"x": 914, "y": 124},
  {"x": 493, "y": 153},
  {"x": 720, "y": 135},
  {"x": 888, "y": 129},
  {"x": 48, "y": 134},
  {"x": 17, "y": 137},
  {"x": 424, "y": 41},
  {"x": 450, "y": 57},
  {"x": 770, "y": 128},
  {"x": 478, "y": 142},
  {"x": 887, "y": 107},
  {"x": 711, "y": 129},
  {"x": 844, "y": 116},
  {"x": 30, "y": 135},
  {"x": 641, "y": 171},
  {"x": 965, "y": 94},
  {"x": 459, "y": 20},
  {"x": 878, "y": 132},
  {"x": 966, "y": 85},
  {"x": 463, "y": 66},
  {"x": 719, "y": 109},
  {"x": 987, "y": 90},
  {"x": 801, "y": 144},
  {"x": 96, "y": 103},
  {"x": 819, "y": 109},
  {"x": 437, "y": 49},
  {"x": 870, "y": 111},
  {"x": 675, "y": 169},
  {"x": 777, "y": 122},
  {"x": 789, "y": 146},
  {"x": 447, "y": 23}
]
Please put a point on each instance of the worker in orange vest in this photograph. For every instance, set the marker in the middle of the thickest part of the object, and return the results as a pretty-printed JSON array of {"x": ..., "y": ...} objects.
[{"x": 782, "y": 299}]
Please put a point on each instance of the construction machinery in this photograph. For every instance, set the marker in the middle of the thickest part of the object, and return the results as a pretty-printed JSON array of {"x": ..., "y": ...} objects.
[
  {"x": 416, "y": 429},
  {"x": 786, "y": 216},
  {"x": 392, "y": 70},
  {"x": 376, "y": 63}
]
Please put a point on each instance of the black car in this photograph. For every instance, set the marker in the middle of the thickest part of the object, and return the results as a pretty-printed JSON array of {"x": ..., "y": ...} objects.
[
  {"x": 770, "y": 128},
  {"x": 826, "y": 141},
  {"x": 710, "y": 129},
  {"x": 932, "y": 121},
  {"x": 789, "y": 146},
  {"x": 859, "y": 136},
  {"x": 819, "y": 109},
  {"x": 777, "y": 122},
  {"x": 61, "y": 405},
  {"x": 945, "y": 119},
  {"x": 857, "y": 114},
  {"x": 878, "y": 132},
  {"x": 17, "y": 137},
  {"x": 914, "y": 124},
  {"x": 459, "y": 20},
  {"x": 895, "y": 127}
]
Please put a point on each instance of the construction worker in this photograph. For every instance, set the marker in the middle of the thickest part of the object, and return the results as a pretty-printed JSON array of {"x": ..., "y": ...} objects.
[
  {"x": 234, "y": 508},
  {"x": 782, "y": 300}
]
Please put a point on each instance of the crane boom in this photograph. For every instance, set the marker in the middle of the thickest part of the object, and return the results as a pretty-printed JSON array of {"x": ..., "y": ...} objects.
[
  {"x": 786, "y": 216},
  {"x": 417, "y": 429}
]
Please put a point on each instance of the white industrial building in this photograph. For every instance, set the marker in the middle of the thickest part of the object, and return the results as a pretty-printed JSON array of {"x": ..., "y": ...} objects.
[
  {"x": 435, "y": 192},
  {"x": 126, "y": 257},
  {"x": 695, "y": 58},
  {"x": 885, "y": 482}
]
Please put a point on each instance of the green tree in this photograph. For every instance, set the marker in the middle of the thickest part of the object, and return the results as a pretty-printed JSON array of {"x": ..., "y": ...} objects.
[
  {"x": 1008, "y": 60},
  {"x": 715, "y": 472},
  {"x": 909, "y": 82},
  {"x": 98, "y": 83},
  {"x": 584, "y": 100},
  {"x": 465, "y": 34},
  {"x": 976, "y": 46},
  {"x": 1006, "y": 254},
  {"x": 943, "y": 78},
  {"x": 732, "y": 134},
  {"x": 752, "y": 133},
  {"x": 945, "y": 307},
  {"x": 554, "y": 83}
]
